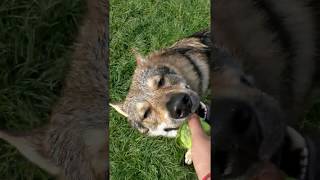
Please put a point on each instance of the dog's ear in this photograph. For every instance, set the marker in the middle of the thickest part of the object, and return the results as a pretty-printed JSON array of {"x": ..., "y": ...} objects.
[
  {"x": 119, "y": 108},
  {"x": 31, "y": 146},
  {"x": 139, "y": 58}
]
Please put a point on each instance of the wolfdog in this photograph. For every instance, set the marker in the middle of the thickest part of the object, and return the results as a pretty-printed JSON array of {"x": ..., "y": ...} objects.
[
  {"x": 167, "y": 85},
  {"x": 264, "y": 76},
  {"x": 74, "y": 144}
]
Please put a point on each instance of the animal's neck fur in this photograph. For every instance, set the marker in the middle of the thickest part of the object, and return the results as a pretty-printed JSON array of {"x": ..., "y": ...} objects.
[{"x": 192, "y": 62}]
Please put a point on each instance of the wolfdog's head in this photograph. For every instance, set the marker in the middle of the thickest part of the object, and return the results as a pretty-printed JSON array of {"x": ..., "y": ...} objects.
[
  {"x": 164, "y": 90},
  {"x": 248, "y": 124}
]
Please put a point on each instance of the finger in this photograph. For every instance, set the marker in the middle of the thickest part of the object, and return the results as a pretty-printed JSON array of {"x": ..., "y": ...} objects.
[{"x": 195, "y": 127}]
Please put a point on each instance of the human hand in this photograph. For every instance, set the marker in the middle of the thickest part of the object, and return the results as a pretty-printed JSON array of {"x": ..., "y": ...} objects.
[{"x": 201, "y": 147}]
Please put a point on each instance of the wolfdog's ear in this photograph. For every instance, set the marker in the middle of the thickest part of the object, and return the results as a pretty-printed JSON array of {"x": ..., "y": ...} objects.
[
  {"x": 119, "y": 107},
  {"x": 139, "y": 59},
  {"x": 30, "y": 145}
]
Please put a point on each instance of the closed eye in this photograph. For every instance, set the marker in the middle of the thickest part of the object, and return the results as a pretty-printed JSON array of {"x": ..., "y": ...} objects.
[
  {"x": 161, "y": 82},
  {"x": 147, "y": 113},
  {"x": 244, "y": 80}
]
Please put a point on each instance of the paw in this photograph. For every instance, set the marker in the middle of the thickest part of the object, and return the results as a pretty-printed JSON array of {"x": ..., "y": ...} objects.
[{"x": 188, "y": 158}]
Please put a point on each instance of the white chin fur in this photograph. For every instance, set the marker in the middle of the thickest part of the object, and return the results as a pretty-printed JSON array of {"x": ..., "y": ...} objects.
[
  {"x": 159, "y": 131},
  {"x": 172, "y": 133}
]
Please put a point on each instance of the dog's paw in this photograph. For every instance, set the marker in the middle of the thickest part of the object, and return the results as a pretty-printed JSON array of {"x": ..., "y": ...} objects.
[{"x": 188, "y": 157}]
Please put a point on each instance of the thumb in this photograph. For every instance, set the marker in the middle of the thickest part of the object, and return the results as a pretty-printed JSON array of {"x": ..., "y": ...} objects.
[{"x": 195, "y": 127}]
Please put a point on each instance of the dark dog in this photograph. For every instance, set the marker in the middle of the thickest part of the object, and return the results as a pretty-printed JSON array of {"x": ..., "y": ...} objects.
[{"x": 263, "y": 77}]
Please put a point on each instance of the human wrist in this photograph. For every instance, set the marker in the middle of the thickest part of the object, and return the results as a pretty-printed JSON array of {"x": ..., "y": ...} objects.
[
  {"x": 207, "y": 176},
  {"x": 202, "y": 171}
]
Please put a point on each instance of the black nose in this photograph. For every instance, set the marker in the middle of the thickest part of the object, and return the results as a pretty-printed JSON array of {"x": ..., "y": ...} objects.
[
  {"x": 179, "y": 105},
  {"x": 232, "y": 115}
]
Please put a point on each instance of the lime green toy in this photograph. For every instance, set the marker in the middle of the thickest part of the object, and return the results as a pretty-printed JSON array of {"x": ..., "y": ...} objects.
[{"x": 184, "y": 134}]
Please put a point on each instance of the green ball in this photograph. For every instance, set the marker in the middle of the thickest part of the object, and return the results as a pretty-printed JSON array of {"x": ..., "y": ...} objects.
[{"x": 184, "y": 134}]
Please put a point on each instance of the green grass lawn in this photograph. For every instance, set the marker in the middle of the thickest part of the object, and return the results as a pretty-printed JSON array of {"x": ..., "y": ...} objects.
[
  {"x": 147, "y": 26},
  {"x": 35, "y": 36}
]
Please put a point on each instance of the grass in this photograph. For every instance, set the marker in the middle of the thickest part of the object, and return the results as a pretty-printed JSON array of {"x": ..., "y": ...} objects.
[
  {"x": 147, "y": 26},
  {"x": 35, "y": 36}
]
